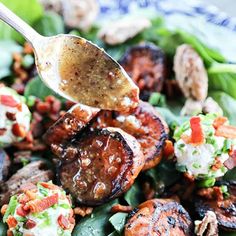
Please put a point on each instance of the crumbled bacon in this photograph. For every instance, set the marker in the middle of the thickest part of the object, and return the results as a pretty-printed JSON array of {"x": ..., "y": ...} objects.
[
  {"x": 120, "y": 208},
  {"x": 49, "y": 185},
  {"x": 2, "y": 131},
  {"x": 11, "y": 222},
  {"x": 11, "y": 116},
  {"x": 40, "y": 205},
  {"x": 219, "y": 121},
  {"x": 63, "y": 222},
  {"x": 214, "y": 193},
  {"x": 4, "y": 209},
  {"x": 18, "y": 130},
  {"x": 168, "y": 149},
  {"x": 30, "y": 224},
  {"x": 21, "y": 212},
  {"x": 217, "y": 164}
]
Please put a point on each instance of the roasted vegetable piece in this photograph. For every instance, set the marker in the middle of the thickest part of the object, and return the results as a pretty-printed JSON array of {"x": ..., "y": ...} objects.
[
  {"x": 105, "y": 164},
  {"x": 70, "y": 124},
  {"x": 190, "y": 73},
  {"x": 225, "y": 209},
  {"x": 145, "y": 124},
  {"x": 4, "y": 165},
  {"x": 29, "y": 174},
  {"x": 145, "y": 65},
  {"x": 157, "y": 217}
]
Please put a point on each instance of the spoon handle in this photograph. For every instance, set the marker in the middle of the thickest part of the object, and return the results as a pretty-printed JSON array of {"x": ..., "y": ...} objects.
[{"x": 18, "y": 24}]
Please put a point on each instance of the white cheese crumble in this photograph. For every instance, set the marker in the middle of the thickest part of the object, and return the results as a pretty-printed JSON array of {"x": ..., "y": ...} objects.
[
  {"x": 22, "y": 117},
  {"x": 203, "y": 160}
]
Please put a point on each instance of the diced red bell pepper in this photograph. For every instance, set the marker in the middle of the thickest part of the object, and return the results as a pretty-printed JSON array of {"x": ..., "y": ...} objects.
[
  {"x": 197, "y": 135},
  {"x": 8, "y": 100}
]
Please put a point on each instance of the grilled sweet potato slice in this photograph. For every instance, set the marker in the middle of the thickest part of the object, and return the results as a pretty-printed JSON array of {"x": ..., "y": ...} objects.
[
  {"x": 145, "y": 65},
  {"x": 225, "y": 209},
  {"x": 145, "y": 124},
  {"x": 105, "y": 164},
  {"x": 159, "y": 217},
  {"x": 70, "y": 124}
]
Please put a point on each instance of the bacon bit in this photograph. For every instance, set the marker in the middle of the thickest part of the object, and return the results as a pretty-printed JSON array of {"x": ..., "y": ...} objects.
[
  {"x": 230, "y": 163},
  {"x": 219, "y": 121},
  {"x": 168, "y": 149},
  {"x": 23, "y": 200},
  {"x": 43, "y": 107},
  {"x": 18, "y": 130},
  {"x": 30, "y": 224},
  {"x": 11, "y": 221},
  {"x": 186, "y": 138},
  {"x": 71, "y": 217},
  {"x": 49, "y": 186},
  {"x": 218, "y": 194},
  {"x": 31, "y": 194},
  {"x": 11, "y": 116},
  {"x": 17, "y": 57},
  {"x": 189, "y": 177},
  {"x": 21, "y": 212},
  {"x": 120, "y": 208},
  {"x": 56, "y": 106},
  {"x": 29, "y": 137},
  {"x": 226, "y": 131},
  {"x": 38, "y": 205},
  {"x": 2, "y": 131},
  {"x": 197, "y": 135},
  {"x": 9, "y": 233},
  {"x": 4, "y": 209},
  {"x": 8, "y": 100},
  {"x": 214, "y": 193},
  {"x": 63, "y": 222},
  {"x": 149, "y": 192},
  {"x": 28, "y": 49},
  {"x": 83, "y": 211},
  {"x": 217, "y": 164}
]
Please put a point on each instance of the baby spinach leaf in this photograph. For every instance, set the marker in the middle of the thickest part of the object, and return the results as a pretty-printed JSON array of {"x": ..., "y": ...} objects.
[
  {"x": 50, "y": 24},
  {"x": 37, "y": 88},
  {"x": 3, "y": 228},
  {"x": 97, "y": 224},
  {"x": 227, "y": 103},
  {"x": 28, "y": 10},
  {"x": 118, "y": 221},
  {"x": 134, "y": 196},
  {"x": 164, "y": 175},
  {"x": 230, "y": 175},
  {"x": 11, "y": 208}
]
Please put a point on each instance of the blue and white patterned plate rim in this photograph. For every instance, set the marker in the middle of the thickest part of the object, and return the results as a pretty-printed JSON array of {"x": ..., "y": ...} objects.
[{"x": 195, "y": 8}]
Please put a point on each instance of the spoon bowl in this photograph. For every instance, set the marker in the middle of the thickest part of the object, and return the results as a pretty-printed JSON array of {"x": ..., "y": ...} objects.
[{"x": 82, "y": 72}]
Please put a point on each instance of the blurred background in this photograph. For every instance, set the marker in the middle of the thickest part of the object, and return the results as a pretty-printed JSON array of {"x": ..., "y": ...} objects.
[{"x": 229, "y": 6}]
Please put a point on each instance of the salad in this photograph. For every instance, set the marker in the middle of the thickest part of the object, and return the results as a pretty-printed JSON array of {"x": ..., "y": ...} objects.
[{"x": 165, "y": 167}]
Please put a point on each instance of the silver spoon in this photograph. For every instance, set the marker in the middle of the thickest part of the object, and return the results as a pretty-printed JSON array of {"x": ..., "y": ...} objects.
[{"x": 77, "y": 69}]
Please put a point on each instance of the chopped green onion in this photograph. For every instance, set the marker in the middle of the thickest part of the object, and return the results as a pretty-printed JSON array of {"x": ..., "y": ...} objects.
[
  {"x": 206, "y": 183},
  {"x": 11, "y": 208}
]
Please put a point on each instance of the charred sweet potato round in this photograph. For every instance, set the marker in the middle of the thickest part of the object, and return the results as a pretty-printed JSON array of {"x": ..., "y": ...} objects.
[
  {"x": 70, "y": 124},
  {"x": 225, "y": 209},
  {"x": 105, "y": 164},
  {"x": 159, "y": 217},
  {"x": 145, "y": 63},
  {"x": 145, "y": 124}
]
